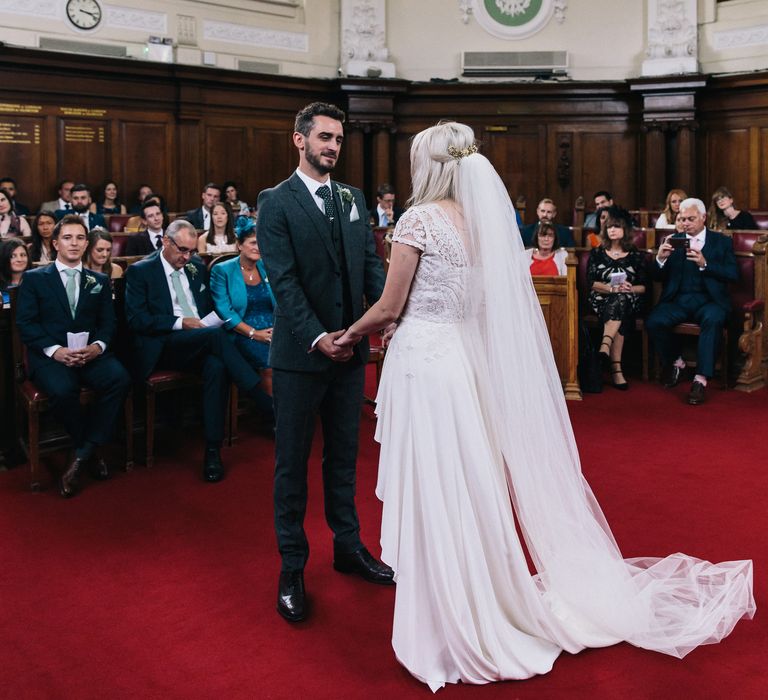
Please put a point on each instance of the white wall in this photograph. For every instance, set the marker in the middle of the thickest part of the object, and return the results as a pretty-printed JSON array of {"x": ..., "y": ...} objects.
[{"x": 736, "y": 37}]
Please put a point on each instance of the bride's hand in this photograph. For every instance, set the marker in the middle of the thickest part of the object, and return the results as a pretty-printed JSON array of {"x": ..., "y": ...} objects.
[
  {"x": 348, "y": 339},
  {"x": 387, "y": 333}
]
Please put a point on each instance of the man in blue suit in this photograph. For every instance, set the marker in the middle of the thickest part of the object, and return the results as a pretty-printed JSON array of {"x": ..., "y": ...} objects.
[
  {"x": 166, "y": 296},
  {"x": 546, "y": 211},
  {"x": 81, "y": 202},
  {"x": 695, "y": 275},
  {"x": 200, "y": 218},
  {"x": 64, "y": 298}
]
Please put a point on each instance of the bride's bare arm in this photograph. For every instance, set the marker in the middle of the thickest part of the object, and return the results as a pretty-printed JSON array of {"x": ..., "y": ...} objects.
[{"x": 402, "y": 265}]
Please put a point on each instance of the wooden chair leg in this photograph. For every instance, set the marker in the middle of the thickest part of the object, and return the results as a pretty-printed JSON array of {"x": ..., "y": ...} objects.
[
  {"x": 33, "y": 446},
  {"x": 150, "y": 426},
  {"x": 129, "y": 431}
]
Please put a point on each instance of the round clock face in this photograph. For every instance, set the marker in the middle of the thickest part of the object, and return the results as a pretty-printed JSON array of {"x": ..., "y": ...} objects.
[{"x": 84, "y": 14}]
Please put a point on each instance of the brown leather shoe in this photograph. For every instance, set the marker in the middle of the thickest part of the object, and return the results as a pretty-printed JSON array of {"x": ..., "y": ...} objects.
[
  {"x": 698, "y": 394},
  {"x": 69, "y": 482}
]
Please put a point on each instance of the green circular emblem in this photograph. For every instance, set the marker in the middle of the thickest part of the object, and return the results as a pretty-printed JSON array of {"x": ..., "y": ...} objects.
[{"x": 513, "y": 13}]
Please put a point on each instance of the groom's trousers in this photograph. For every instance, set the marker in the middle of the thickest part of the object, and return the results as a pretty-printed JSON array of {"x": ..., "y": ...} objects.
[{"x": 335, "y": 395}]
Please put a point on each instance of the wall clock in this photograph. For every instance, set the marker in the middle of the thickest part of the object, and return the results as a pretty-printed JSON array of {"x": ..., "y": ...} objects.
[{"x": 84, "y": 14}]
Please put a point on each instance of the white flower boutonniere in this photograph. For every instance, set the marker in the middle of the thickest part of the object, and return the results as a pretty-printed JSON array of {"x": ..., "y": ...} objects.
[
  {"x": 191, "y": 270},
  {"x": 90, "y": 280},
  {"x": 345, "y": 196}
]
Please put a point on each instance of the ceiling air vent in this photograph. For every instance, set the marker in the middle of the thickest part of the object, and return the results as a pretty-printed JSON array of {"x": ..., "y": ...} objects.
[
  {"x": 83, "y": 47},
  {"x": 514, "y": 63},
  {"x": 259, "y": 67}
]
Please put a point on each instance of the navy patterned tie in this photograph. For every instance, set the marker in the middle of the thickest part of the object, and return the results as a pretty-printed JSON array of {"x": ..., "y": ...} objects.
[{"x": 324, "y": 192}]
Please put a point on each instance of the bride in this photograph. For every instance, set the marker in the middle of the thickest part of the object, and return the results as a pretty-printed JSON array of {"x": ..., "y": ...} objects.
[{"x": 475, "y": 437}]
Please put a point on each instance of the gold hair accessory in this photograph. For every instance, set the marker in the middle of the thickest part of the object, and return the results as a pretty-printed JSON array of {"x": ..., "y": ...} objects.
[{"x": 459, "y": 153}]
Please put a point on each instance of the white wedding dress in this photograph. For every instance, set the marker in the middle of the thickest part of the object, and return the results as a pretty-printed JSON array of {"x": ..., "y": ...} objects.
[{"x": 452, "y": 485}]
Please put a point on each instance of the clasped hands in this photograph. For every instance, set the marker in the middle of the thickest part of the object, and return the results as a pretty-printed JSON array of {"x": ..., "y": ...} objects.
[
  {"x": 339, "y": 345},
  {"x": 77, "y": 358}
]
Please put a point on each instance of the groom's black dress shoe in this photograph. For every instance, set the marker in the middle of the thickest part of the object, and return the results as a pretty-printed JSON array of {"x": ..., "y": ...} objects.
[
  {"x": 213, "y": 469},
  {"x": 362, "y": 563},
  {"x": 291, "y": 598}
]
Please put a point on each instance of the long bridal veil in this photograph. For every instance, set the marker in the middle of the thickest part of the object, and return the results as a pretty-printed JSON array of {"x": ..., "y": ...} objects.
[{"x": 594, "y": 595}]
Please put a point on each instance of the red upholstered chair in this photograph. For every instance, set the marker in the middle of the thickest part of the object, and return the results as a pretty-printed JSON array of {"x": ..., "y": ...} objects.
[
  {"x": 117, "y": 222},
  {"x": 33, "y": 402},
  {"x": 383, "y": 246},
  {"x": 119, "y": 242},
  {"x": 761, "y": 219}
]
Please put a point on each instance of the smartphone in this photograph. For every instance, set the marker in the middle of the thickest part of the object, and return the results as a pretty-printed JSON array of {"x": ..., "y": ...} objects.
[{"x": 679, "y": 242}]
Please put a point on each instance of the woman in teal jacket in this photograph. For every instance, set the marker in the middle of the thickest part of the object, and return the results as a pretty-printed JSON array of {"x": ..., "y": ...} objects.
[{"x": 242, "y": 295}]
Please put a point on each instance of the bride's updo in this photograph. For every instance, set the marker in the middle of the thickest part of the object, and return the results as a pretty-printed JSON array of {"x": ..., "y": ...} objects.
[{"x": 435, "y": 156}]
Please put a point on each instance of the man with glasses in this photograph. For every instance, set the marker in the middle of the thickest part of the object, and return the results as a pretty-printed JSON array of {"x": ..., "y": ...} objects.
[{"x": 167, "y": 294}]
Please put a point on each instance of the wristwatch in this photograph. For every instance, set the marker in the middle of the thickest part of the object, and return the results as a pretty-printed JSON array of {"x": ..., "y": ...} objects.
[{"x": 251, "y": 333}]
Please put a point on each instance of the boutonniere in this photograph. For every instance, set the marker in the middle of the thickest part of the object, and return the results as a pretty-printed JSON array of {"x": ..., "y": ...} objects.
[
  {"x": 191, "y": 270},
  {"x": 345, "y": 196},
  {"x": 90, "y": 280}
]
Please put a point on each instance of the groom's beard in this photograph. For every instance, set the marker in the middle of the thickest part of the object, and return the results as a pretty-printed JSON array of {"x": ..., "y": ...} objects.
[{"x": 314, "y": 159}]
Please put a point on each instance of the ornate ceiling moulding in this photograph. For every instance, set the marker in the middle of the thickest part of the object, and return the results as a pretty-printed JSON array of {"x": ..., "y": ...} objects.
[{"x": 512, "y": 19}]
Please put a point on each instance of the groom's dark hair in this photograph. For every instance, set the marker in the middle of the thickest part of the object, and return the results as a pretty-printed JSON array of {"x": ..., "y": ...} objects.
[{"x": 306, "y": 117}]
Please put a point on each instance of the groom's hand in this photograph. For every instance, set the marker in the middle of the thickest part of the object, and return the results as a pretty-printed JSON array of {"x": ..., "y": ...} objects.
[{"x": 326, "y": 346}]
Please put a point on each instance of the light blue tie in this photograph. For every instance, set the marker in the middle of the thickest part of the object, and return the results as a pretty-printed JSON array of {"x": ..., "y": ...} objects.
[
  {"x": 71, "y": 288},
  {"x": 181, "y": 296}
]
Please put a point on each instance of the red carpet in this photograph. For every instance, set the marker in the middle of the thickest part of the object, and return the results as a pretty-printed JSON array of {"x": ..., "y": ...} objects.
[{"x": 156, "y": 585}]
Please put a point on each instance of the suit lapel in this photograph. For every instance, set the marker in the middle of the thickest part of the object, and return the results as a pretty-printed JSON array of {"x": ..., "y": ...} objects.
[
  {"x": 194, "y": 287},
  {"x": 161, "y": 283},
  {"x": 343, "y": 213},
  {"x": 58, "y": 288},
  {"x": 307, "y": 203}
]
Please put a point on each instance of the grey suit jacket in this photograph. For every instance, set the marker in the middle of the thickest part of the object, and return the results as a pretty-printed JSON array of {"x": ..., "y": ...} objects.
[{"x": 305, "y": 274}]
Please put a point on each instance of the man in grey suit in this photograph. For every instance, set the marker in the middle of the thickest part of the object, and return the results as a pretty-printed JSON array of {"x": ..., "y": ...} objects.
[{"x": 319, "y": 253}]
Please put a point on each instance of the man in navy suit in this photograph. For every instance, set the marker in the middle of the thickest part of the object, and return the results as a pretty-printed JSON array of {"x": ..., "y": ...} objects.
[
  {"x": 81, "y": 202},
  {"x": 166, "y": 296},
  {"x": 546, "y": 211},
  {"x": 65, "y": 298},
  {"x": 319, "y": 253},
  {"x": 695, "y": 277},
  {"x": 151, "y": 238},
  {"x": 200, "y": 218}
]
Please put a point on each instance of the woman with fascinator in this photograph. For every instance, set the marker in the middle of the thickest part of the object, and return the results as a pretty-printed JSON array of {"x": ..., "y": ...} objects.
[
  {"x": 242, "y": 295},
  {"x": 475, "y": 436}
]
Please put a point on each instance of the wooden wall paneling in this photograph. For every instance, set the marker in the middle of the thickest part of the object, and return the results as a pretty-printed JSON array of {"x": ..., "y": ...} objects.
[
  {"x": 24, "y": 141},
  {"x": 189, "y": 165},
  {"x": 226, "y": 154},
  {"x": 683, "y": 167},
  {"x": 272, "y": 158},
  {"x": 654, "y": 161},
  {"x": 728, "y": 163},
  {"x": 754, "y": 168},
  {"x": 352, "y": 169},
  {"x": 609, "y": 162},
  {"x": 84, "y": 149},
  {"x": 380, "y": 161},
  {"x": 145, "y": 153},
  {"x": 763, "y": 183}
]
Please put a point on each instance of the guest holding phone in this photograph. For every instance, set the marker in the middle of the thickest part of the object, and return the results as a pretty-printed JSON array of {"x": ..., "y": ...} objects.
[{"x": 616, "y": 279}]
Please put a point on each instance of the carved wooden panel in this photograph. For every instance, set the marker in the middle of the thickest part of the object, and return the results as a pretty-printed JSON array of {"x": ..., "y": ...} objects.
[
  {"x": 727, "y": 164},
  {"x": 608, "y": 161},
  {"x": 272, "y": 158},
  {"x": 24, "y": 146},
  {"x": 144, "y": 154},
  {"x": 226, "y": 155}
]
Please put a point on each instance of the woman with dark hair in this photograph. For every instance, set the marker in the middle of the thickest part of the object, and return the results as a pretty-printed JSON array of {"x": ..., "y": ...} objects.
[
  {"x": 11, "y": 224},
  {"x": 671, "y": 209},
  {"x": 14, "y": 262},
  {"x": 616, "y": 279},
  {"x": 41, "y": 249},
  {"x": 109, "y": 202},
  {"x": 547, "y": 258},
  {"x": 231, "y": 197},
  {"x": 593, "y": 237},
  {"x": 241, "y": 294},
  {"x": 220, "y": 236},
  {"x": 723, "y": 215},
  {"x": 98, "y": 254}
]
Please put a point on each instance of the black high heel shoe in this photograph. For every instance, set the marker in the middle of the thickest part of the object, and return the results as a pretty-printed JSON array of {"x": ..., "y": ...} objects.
[
  {"x": 605, "y": 357},
  {"x": 623, "y": 386}
]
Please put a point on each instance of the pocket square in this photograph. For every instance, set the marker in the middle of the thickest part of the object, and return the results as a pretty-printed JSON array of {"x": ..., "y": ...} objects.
[
  {"x": 202, "y": 287},
  {"x": 354, "y": 214},
  {"x": 96, "y": 289}
]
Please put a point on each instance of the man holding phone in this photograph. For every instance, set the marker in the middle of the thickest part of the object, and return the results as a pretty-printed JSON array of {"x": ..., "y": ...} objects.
[{"x": 695, "y": 268}]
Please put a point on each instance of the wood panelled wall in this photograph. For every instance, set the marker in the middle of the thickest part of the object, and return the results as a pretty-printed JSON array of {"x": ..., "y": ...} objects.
[{"x": 177, "y": 127}]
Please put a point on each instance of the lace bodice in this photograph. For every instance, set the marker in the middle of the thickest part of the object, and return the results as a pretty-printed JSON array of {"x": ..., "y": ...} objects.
[{"x": 438, "y": 290}]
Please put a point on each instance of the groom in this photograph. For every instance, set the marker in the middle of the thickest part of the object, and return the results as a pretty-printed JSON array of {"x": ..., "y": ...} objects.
[{"x": 320, "y": 257}]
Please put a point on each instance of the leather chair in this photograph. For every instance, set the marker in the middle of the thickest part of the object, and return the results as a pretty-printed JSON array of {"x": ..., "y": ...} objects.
[{"x": 32, "y": 403}]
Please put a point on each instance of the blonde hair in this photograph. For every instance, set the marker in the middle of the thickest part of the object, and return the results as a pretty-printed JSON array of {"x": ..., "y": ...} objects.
[
  {"x": 434, "y": 171},
  {"x": 667, "y": 211}
]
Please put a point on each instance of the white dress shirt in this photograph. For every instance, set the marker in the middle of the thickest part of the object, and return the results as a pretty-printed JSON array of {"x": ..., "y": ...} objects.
[
  {"x": 206, "y": 219},
  {"x": 381, "y": 214},
  {"x": 65, "y": 205},
  {"x": 61, "y": 268},
  {"x": 177, "y": 310},
  {"x": 155, "y": 236},
  {"x": 312, "y": 186}
]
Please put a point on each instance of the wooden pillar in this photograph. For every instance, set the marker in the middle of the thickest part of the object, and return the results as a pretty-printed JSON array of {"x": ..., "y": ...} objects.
[
  {"x": 354, "y": 160},
  {"x": 655, "y": 166},
  {"x": 684, "y": 166},
  {"x": 381, "y": 158}
]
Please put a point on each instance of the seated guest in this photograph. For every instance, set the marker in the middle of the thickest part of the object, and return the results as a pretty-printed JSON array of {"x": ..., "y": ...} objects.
[
  {"x": 602, "y": 200},
  {"x": 616, "y": 280},
  {"x": 723, "y": 215},
  {"x": 546, "y": 211},
  {"x": 9, "y": 185},
  {"x": 98, "y": 254},
  {"x": 11, "y": 224},
  {"x": 108, "y": 203},
  {"x": 695, "y": 279},
  {"x": 136, "y": 223},
  {"x": 200, "y": 218},
  {"x": 150, "y": 238},
  {"x": 230, "y": 193},
  {"x": 546, "y": 257},
  {"x": 14, "y": 262},
  {"x": 220, "y": 237},
  {"x": 166, "y": 297},
  {"x": 386, "y": 212},
  {"x": 81, "y": 203},
  {"x": 64, "y": 202},
  {"x": 241, "y": 293},
  {"x": 141, "y": 196},
  {"x": 65, "y": 298},
  {"x": 41, "y": 249},
  {"x": 593, "y": 239},
  {"x": 671, "y": 209}
]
